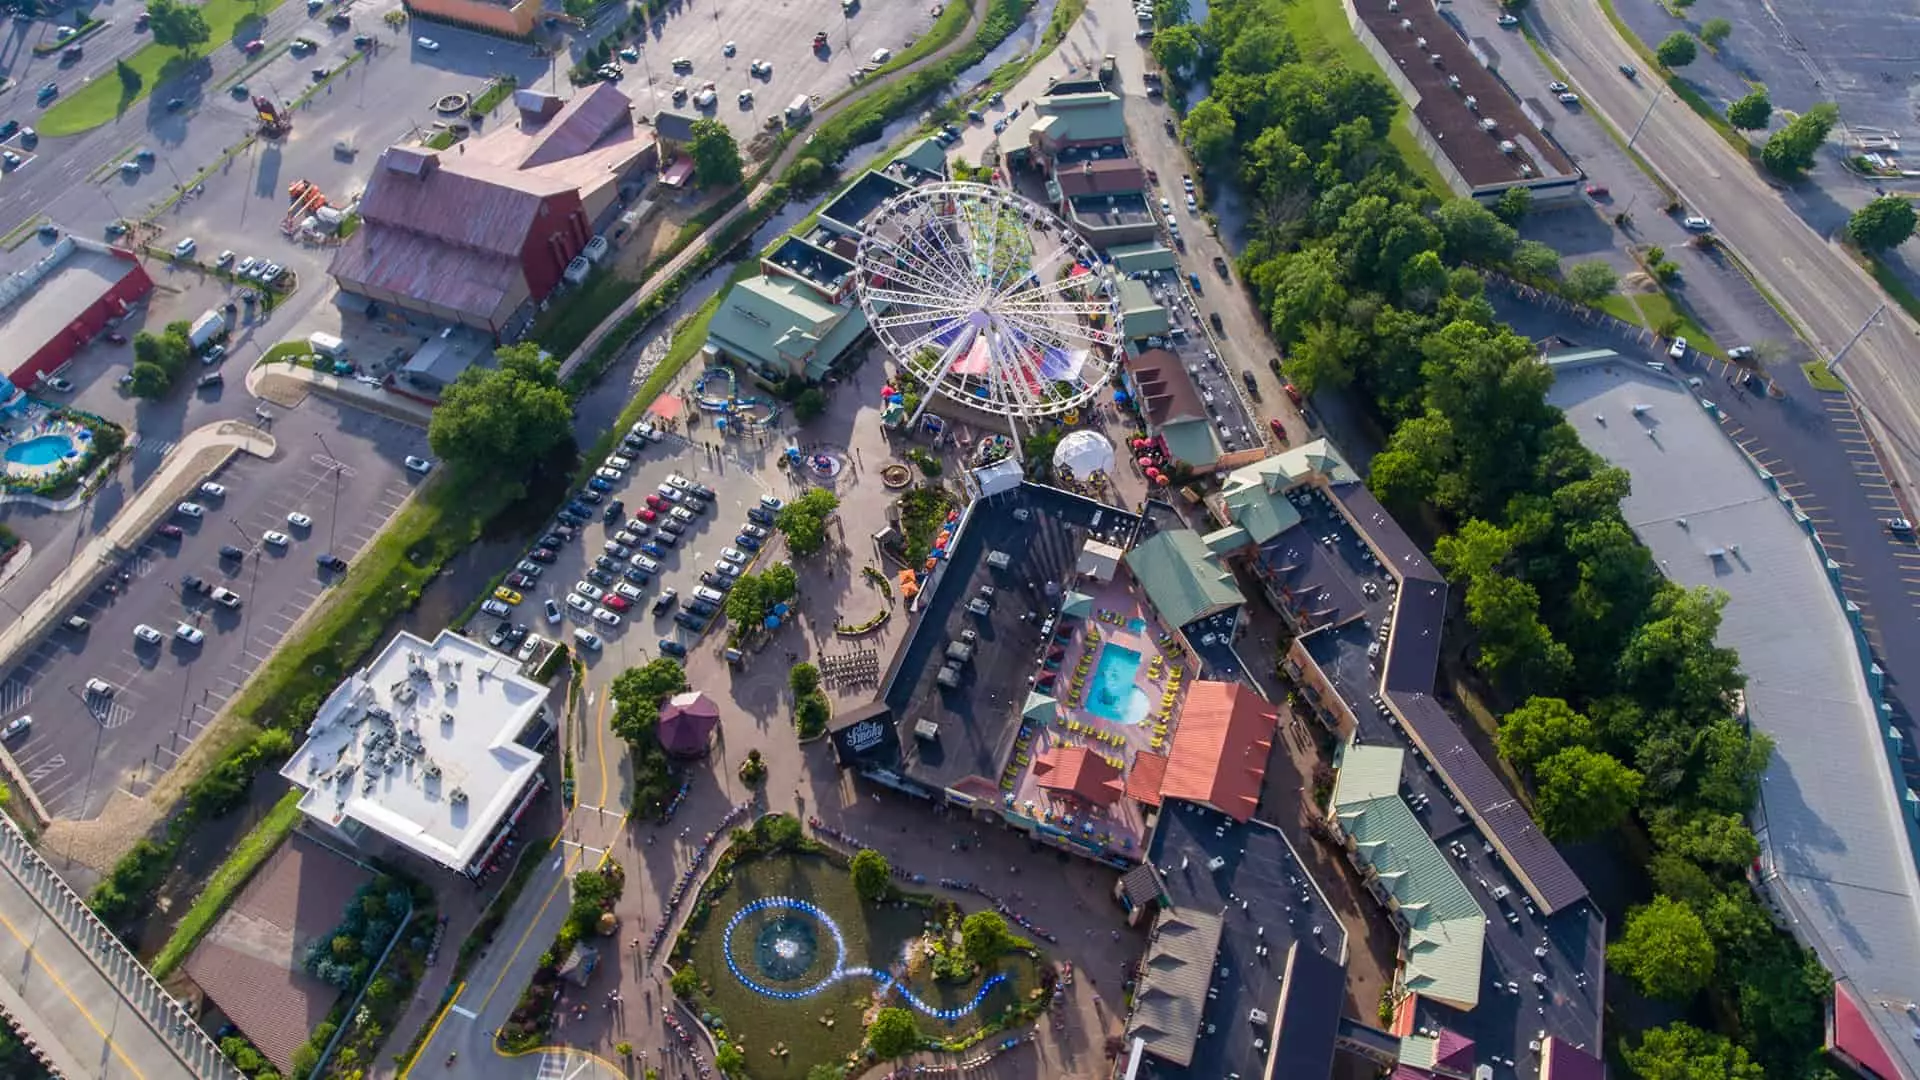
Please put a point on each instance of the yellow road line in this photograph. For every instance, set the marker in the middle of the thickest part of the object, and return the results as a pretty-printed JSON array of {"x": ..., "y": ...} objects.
[
  {"x": 434, "y": 1029},
  {"x": 600, "y": 746},
  {"x": 566, "y": 868},
  {"x": 57, "y": 981}
]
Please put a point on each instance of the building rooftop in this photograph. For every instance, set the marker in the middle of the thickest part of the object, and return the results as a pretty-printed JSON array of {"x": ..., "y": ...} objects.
[
  {"x": 927, "y": 156},
  {"x": 1305, "y": 1020},
  {"x": 1174, "y": 976},
  {"x": 1095, "y": 116},
  {"x": 1830, "y": 820},
  {"x": 1447, "y": 930},
  {"x": 781, "y": 323},
  {"x": 419, "y": 747},
  {"x": 44, "y": 298},
  {"x": 817, "y": 266},
  {"x": 1251, "y": 880},
  {"x": 673, "y": 127},
  {"x": 1183, "y": 580},
  {"x": 1256, "y": 496},
  {"x": 1106, "y": 176},
  {"x": 1109, "y": 211},
  {"x": 1144, "y": 256},
  {"x": 252, "y": 962},
  {"x": 1165, "y": 392},
  {"x": 1559, "y": 1060},
  {"x": 1220, "y": 747},
  {"x": 862, "y": 197},
  {"x": 1443, "y": 109}
]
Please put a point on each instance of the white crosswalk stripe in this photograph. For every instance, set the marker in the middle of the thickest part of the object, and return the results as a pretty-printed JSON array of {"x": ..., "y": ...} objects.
[
  {"x": 14, "y": 695},
  {"x": 115, "y": 715}
]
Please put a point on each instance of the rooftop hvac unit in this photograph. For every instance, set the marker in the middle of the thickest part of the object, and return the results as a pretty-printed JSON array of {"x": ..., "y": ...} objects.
[
  {"x": 1488, "y": 124},
  {"x": 1453, "y": 81},
  {"x": 1407, "y": 25},
  {"x": 457, "y": 795},
  {"x": 1473, "y": 103},
  {"x": 1507, "y": 147}
]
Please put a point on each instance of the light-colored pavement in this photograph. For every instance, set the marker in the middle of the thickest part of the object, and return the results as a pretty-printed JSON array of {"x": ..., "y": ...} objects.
[
  {"x": 77, "y": 991},
  {"x": 1824, "y": 291}
]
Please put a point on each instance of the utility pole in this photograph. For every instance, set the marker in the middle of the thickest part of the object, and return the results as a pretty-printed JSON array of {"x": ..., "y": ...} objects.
[
  {"x": 1643, "y": 119},
  {"x": 1833, "y": 365}
]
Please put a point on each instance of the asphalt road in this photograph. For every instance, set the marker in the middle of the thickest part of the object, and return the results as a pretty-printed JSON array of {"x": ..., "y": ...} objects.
[
  {"x": 79, "y": 750},
  {"x": 1830, "y": 297}
]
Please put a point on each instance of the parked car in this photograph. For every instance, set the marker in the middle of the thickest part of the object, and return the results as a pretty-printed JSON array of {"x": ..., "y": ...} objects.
[
  {"x": 419, "y": 464},
  {"x": 670, "y": 647}
]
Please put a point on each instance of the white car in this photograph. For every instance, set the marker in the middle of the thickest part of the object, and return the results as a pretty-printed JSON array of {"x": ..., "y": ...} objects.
[
  {"x": 605, "y": 473},
  {"x": 16, "y": 727},
  {"x": 184, "y": 248},
  {"x": 192, "y": 509},
  {"x": 223, "y": 259},
  {"x": 746, "y": 97},
  {"x": 705, "y": 98},
  {"x": 99, "y": 688},
  {"x": 1507, "y": 20},
  {"x": 218, "y": 491},
  {"x": 1557, "y": 87},
  {"x": 528, "y": 648},
  {"x": 627, "y": 589},
  {"x": 670, "y": 493},
  {"x": 419, "y": 464},
  {"x": 880, "y": 56},
  {"x": 603, "y": 615},
  {"x": 245, "y": 269},
  {"x": 772, "y": 502},
  {"x": 190, "y": 633},
  {"x": 553, "y": 611},
  {"x": 148, "y": 634},
  {"x": 1165, "y": 206},
  {"x": 579, "y": 603},
  {"x": 1696, "y": 223},
  {"x": 678, "y": 481},
  {"x": 760, "y": 68},
  {"x": 587, "y": 639},
  {"x": 427, "y": 43},
  {"x": 276, "y": 538},
  {"x": 681, "y": 513},
  {"x": 496, "y": 608},
  {"x": 299, "y": 520},
  {"x": 618, "y": 462},
  {"x": 1569, "y": 99},
  {"x": 734, "y": 555},
  {"x": 1678, "y": 350},
  {"x": 729, "y": 49},
  {"x": 711, "y": 596},
  {"x": 589, "y": 590},
  {"x": 642, "y": 562},
  {"x": 1193, "y": 207}
]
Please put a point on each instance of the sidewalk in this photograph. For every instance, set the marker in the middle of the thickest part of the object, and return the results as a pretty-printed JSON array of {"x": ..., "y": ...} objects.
[
  {"x": 198, "y": 454},
  {"x": 261, "y": 378}
]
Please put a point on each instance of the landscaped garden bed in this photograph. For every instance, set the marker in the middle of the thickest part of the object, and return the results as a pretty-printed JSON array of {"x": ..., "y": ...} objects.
[{"x": 785, "y": 962}]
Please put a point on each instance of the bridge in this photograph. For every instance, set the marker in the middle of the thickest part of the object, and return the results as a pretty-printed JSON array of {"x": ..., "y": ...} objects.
[{"x": 83, "y": 1000}]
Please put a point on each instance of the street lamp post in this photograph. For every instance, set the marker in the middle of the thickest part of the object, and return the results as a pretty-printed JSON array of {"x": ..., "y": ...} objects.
[
  {"x": 333, "y": 516},
  {"x": 1833, "y": 365},
  {"x": 1643, "y": 120}
]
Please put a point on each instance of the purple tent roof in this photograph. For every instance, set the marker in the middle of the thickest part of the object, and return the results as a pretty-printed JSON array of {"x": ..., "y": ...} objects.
[{"x": 687, "y": 722}]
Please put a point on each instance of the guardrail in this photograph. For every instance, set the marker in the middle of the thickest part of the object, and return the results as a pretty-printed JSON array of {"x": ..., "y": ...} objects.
[{"x": 195, "y": 1050}]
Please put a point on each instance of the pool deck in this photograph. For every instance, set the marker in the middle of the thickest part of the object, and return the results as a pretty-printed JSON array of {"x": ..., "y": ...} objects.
[{"x": 1120, "y": 824}]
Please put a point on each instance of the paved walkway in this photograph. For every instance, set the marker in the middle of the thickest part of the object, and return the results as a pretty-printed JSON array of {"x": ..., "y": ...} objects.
[
  {"x": 191, "y": 460},
  {"x": 787, "y": 157},
  {"x": 261, "y": 377}
]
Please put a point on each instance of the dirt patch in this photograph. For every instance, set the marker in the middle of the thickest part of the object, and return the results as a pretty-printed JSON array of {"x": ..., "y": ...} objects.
[
  {"x": 656, "y": 234},
  {"x": 282, "y": 390}
]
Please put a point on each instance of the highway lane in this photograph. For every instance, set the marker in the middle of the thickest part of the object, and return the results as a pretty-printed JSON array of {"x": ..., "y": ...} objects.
[{"x": 1823, "y": 290}]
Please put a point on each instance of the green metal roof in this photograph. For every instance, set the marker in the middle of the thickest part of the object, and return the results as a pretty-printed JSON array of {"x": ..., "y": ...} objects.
[
  {"x": 1040, "y": 708},
  {"x": 1221, "y": 541},
  {"x": 1182, "y": 578},
  {"x": 1447, "y": 936},
  {"x": 1149, "y": 255},
  {"x": 1191, "y": 441},
  {"x": 1141, "y": 315},
  {"x": 1255, "y": 495},
  {"x": 782, "y": 325},
  {"x": 927, "y": 155},
  {"x": 1081, "y": 117},
  {"x": 1077, "y": 604}
]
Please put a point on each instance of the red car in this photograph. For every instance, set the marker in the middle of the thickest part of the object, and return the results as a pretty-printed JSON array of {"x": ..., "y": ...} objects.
[
  {"x": 253, "y": 46},
  {"x": 1293, "y": 393},
  {"x": 1279, "y": 430},
  {"x": 171, "y": 532},
  {"x": 521, "y": 581},
  {"x": 616, "y": 602},
  {"x": 1597, "y": 191},
  {"x": 545, "y": 555},
  {"x": 656, "y": 502},
  {"x": 820, "y": 40},
  {"x": 647, "y": 513}
]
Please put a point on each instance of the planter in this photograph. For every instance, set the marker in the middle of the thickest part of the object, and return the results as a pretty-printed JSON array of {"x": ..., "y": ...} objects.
[
  {"x": 862, "y": 629},
  {"x": 896, "y": 475}
]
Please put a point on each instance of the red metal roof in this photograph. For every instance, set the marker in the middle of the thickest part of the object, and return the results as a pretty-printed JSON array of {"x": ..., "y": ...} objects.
[
  {"x": 1144, "y": 779},
  {"x": 1078, "y": 771},
  {"x": 1853, "y": 1038},
  {"x": 1219, "y": 751},
  {"x": 1109, "y": 176}
]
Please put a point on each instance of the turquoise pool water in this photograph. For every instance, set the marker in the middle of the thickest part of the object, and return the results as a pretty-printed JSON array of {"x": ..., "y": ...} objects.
[
  {"x": 1137, "y": 626},
  {"x": 1112, "y": 695},
  {"x": 40, "y": 451}
]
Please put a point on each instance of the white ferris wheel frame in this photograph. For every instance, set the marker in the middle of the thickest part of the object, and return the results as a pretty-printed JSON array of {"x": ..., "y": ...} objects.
[{"x": 925, "y": 283}]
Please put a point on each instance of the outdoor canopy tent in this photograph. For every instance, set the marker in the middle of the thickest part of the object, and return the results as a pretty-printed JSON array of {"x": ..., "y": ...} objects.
[
  {"x": 1085, "y": 452},
  {"x": 687, "y": 722},
  {"x": 1077, "y": 604}
]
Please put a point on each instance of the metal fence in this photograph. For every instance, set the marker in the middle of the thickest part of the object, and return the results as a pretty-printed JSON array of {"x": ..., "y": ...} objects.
[
  {"x": 1627, "y": 333},
  {"x": 195, "y": 1050}
]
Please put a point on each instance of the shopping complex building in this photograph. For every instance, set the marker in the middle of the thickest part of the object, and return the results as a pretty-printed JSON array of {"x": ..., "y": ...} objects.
[
  {"x": 431, "y": 750},
  {"x": 50, "y": 309}
]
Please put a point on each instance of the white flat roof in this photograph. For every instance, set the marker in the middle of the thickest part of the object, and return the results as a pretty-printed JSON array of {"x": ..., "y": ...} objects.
[
  {"x": 1832, "y": 828},
  {"x": 419, "y": 747},
  {"x": 73, "y": 284}
]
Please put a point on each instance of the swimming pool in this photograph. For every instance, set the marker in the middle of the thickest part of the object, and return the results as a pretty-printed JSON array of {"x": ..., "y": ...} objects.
[
  {"x": 40, "y": 451},
  {"x": 1112, "y": 694}
]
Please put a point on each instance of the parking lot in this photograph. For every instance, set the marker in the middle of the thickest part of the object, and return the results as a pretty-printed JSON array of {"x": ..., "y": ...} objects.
[
  {"x": 637, "y": 637},
  {"x": 81, "y": 746}
]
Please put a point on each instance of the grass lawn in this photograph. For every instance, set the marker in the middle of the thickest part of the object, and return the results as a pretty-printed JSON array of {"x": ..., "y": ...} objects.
[
  {"x": 1320, "y": 28},
  {"x": 228, "y": 880},
  {"x": 104, "y": 98},
  {"x": 875, "y": 937},
  {"x": 1654, "y": 310},
  {"x": 1821, "y": 379}
]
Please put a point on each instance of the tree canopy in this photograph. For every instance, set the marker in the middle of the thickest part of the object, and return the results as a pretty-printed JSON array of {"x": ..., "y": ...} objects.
[
  {"x": 715, "y": 154},
  {"x": 1541, "y": 728},
  {"x": 872, "y": 875},
  {"x": 1678, "y": 50},
  {"x": 1790, "y": 152},
  {"x": 1583, "y": 793},
  {"x": 1751, "y": 113},
  {"x": 177, "y": 25},
  {"x": 804, "y": 520},
  {"x": 1884, "y": 223},
  {"x": 1714, "y": 31},
  {"x": 503, "y": 423},
  {"x": 1681, "y": 1051},
  {"x": 894, "y": 1033},
  {"x": 638, "y": 694},
  {"x": 984, "y": 937},
  {"x": 1665, "y": 949}
]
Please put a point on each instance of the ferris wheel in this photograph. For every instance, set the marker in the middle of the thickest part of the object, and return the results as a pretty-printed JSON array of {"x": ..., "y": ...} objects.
[{"x": 989, "y": 300}]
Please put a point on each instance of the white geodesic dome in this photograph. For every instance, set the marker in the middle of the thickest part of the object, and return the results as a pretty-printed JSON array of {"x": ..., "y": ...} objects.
[{"x": 1085, "y": 452}]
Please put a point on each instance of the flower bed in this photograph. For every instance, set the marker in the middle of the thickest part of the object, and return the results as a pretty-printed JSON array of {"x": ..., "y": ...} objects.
[{"x": 860, "y": 629}]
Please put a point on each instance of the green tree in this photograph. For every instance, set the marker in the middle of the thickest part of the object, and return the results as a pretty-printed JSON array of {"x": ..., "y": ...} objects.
[
  {"x": 1790, "y": 152},
  {"x": 1513, "y": 204},
  {"x": 503, "y": 423},
  {"x": 1664, "y": 949},
  {"x": 685, "y": 982},
  {"x": 804, "y": 679},
  {"x": 1208, "y": 129},
  {"x": 1582, "y": 793},
  {"x": 729, "y": 1060},
  {"x": 1678, "y": 50},
  {"x": 872, "y": 875},
  {"x": 1168, "y": 13},
  {"x": 812, "y": 402},
  {"x": 1714, "y": 31},
  {"x": 1471, "y": 233},
  {"x": 805, "y": 175},
  {"x": 1299, "y": 290},
  {"x": 716, "y": 157},
  {"x": 1720, "y": 840},
  {"x": 638, "y": 694},
  {"x": 1591, "y": 281},
  {"x": 1515, "y": 646},
  {"x": 1541, "y": 728},
  {"x": 1674, "y": 658},
  {"x": 1177, "y": 50},
  {"x": 1884, "y": 223},
  {"x": 1535, "y": 261},
  {"x": 1751, "y": 113},
  {"x": 150, "y": 381},
  {"x": 1257, "y": 50},
  {"x": 1681, "y": 1051},
  {"x": 804, "y": 520},
  {"x": 894, "y": 1033},
  {"x": 130, "y": 78},
  {"x": 177, "y": 25},
  {"x": 984, "y": 937}
]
